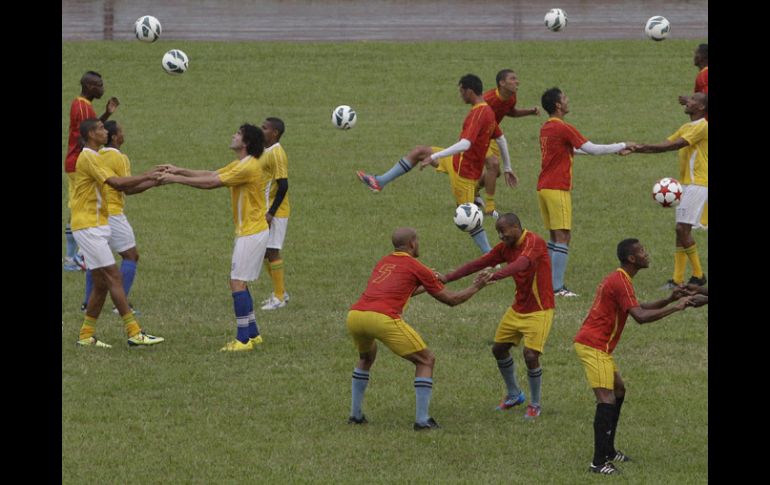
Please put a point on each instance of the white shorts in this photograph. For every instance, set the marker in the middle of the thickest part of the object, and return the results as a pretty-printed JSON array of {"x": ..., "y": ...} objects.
[
  {"x": 689, "y": 210},
  {"x": 277, "y": 232},
  {"x": 122, "y": 237},
  {"x": 248, "y": 253},
  {"x": 95, "y": 246}
]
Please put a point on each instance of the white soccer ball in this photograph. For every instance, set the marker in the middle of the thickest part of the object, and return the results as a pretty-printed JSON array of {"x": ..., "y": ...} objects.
[
  {"x": 174, "y": 62},
  {"x": 667, "y": 192},
  {"x": 344, "y": 117},
  {"x": 556, "y": 19},
  {"x": 657, "y": 28},
  {"x": 468, "y": 217},
  {"x": 147, "y": 28}
]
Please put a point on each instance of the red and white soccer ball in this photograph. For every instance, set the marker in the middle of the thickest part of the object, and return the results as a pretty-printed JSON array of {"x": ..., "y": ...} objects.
[{"x": 667, "y": 192}]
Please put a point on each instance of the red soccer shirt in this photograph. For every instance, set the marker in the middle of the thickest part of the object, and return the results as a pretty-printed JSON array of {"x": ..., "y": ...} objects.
[
  {"x": 534, "y": 288},
  {"x": 558, "y": 139},
  {"x": 605, "y": 321},
  {"x": 702, "y": 83},
  {"x": 80, "y": 110},
  {"x": 393, "y": 280},
  {"x": 479, "y": 128},
  {"x": 500, "y": 107}
]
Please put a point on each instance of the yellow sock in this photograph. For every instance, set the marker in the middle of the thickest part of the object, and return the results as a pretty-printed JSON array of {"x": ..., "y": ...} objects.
[
  {"x": 692, "y": 255},
  {"x": 130, "y": 324},
  {"x": 276, "y": 273},
  {"x": 88, "y": 328},
  {"x": 680, "y": 262},
  {"x": 269, "y": 271},
  {"x": 704, "y": 217},
  {"x": 489, "y": 203}
]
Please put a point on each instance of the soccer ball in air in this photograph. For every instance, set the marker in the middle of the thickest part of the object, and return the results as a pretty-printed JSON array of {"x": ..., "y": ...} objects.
[
  {"x": 174, "y": 62},
  {"x": 556, "y": 19},
  {"x": 147, "y": 28},
  {"x": 344, "y": 117},
  {"x": 657, "y": 28},
  {"x": 667, "y": 192},
  {"x": 468, "y": 217}
]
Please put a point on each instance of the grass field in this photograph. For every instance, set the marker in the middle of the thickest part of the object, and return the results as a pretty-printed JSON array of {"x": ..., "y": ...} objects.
[{"x": 184, "y": 412}]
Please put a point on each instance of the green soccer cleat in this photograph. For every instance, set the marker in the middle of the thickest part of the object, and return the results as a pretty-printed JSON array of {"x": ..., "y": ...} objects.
[{"x": 144, "y": 339}]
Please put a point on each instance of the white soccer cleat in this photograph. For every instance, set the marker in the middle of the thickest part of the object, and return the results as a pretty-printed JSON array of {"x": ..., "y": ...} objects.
[{"x": 273, "y": 303}]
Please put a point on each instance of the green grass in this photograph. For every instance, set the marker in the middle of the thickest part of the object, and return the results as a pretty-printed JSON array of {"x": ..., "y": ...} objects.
[{"x": 183, "y": 412}]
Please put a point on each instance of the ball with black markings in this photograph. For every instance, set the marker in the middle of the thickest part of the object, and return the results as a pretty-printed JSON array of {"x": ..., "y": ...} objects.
[{"x": 175, "y": 62}]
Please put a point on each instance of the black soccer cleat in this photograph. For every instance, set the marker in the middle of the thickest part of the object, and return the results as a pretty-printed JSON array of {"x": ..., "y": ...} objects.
[
  {"x": 361, "y": 420},
  {"x": 697, "y": 281},
  {"x": 606, "y": 469},
  {"x": 431, "y": 424},
  {"x": 619, "y": 457}
]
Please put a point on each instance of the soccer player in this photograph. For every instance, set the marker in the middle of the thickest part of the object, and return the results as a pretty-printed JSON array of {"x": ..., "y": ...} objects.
[
  {"x": 91, "y": 87},
  {"x": 248, "y": 178},
  {"x": 692, "y": 141},
  {"x": 558, "y": 142},
  {"x": 502, "y": 100},
  {"x": 92, "y": 231},
  {"x": 278, "y": 214},
  {"x": 122, "y": 239},
  {"x": 600, "y": 333},
  {"x": 468, "y": 154},
  {"x": 701, "y": 61},
  {"x": 531, "y": 314},
  {"x": 377, "y": 316}
]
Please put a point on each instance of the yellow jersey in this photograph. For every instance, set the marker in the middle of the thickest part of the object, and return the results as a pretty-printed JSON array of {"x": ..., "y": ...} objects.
[
  {"x": 249, "y": 181},
  {"x": 119, "y": 163},
  {"x": 694, "y": 158},
  {"x": 278, "y": 154},
  {"x": 89, "y": 199}
]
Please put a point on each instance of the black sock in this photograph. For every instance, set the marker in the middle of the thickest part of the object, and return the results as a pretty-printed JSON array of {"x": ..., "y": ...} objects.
[
  {"x": 605, "y": 415},
  {"x": 618, "y": 403}
]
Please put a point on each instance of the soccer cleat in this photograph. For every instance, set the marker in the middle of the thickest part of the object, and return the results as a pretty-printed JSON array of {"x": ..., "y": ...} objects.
[
  {"x": 697, "y": 281},
  {"x": 92, "y": 342},
  {"x": 256, "y": 340},
  {"x": 605, "y": 469},
  {"x": 430, "y": 424},
  {"x": 71, "y": 265},
  {"x": 80, "y": 261},
  {"x": 273, "y": 303},
  {"x": 670, "y": 285},
  {"x": 361, "y": 420},
  {"x": 369, "y": 181},
  {"x": 144, "y": 339},
  {"x": 563, "y": 291},
  {"x": 133, "y": 310},
  {"x": 83, "y": 307},
  {"x": 237, "y": 346},
  {"x": 272, "y": 295},
  {"x": 532, "y": 412},
  {"x": 509, "y": 402},
  {"x": 493, "y": 213},
  {"x": 619, "y": 457}
]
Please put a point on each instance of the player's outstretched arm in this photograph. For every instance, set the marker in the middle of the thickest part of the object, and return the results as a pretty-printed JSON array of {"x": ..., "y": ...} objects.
[
  {"x": 186, "y": 172},
  {"x": 518, "y": 113},
  {"x": 126, "y": 184},
  {"x": 210, "y": 180},
  {"x": 666, "y": 146},
  {"x": 453, "y": 298},
  {"x": 647, "y": 315},
  {"x": 112, "y": 105},
  {"x": 589, "y": 148}
]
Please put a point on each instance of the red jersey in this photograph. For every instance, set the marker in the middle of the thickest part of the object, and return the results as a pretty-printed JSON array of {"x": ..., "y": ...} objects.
[
  {"x": 80, "y": 110},
  {"x": 501, "y": 108},
  {"x": 558, "y": 139},
  {"x": 605, "y": 321},
  {"x": 702, "y": 83},
  {"x": 534, "y": 287},
  {"x": 479, "y": 128},
  {"x": 393, "y": 280}
]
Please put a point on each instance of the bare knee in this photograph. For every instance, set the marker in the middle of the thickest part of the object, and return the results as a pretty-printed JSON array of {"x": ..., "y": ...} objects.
[
  {"x": 531, "y": 358},
  {"x": 501, "y": 350},
  {"x": 237, "y": 285},
  {"x": 130, "y": 255}
]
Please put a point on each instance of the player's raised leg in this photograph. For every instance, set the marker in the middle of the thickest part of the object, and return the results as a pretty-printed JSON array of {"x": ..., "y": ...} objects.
[{"x": 377, "y": 182}]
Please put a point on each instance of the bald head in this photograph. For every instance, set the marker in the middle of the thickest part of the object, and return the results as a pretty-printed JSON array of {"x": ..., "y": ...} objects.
[
  {"x": 509, "y": 219},
  {"x": 402, "y": 237}
]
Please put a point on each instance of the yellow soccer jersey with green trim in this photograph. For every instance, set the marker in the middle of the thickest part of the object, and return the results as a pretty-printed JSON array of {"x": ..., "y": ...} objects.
[
  {"x": 694, "y": 159},
  {"x": 249, "y": 181},
  {"x": 119, "y": 163},
  {"x": 89, "y": 199},
  {"x": 281, "y": 172}
]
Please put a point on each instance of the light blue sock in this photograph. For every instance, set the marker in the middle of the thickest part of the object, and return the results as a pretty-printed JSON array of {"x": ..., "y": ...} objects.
[
  {"x": 559, "y": 264},
  {"x": 480, "y": 238},
  {"x": 128, "y": 272},
  {"x": 358, "y": 387},
  {"x": 550, "y": 251},
  {"x": 72, "y": 245},
  {"x": 400, "y": 168},
  {"x": 423, "y": 388},
  {"x": 508, "y": 371},
  {"x": 241, "y": 303},
  {"x": 89, "y": 286},
  {"x": 535, "y": 377}
]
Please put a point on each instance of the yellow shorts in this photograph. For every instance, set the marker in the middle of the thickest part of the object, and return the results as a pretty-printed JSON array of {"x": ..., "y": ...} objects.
[
  {"x": 70, "y": 188},
  {"x": 556, "y": 208},
  {"x": 395, "y": 333},
  {"x": 493, "y": 150},
  {"x": 599, "y": 366},
  {"x": 534, "y": 327},
  {"x": 463, "y": 189}
]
